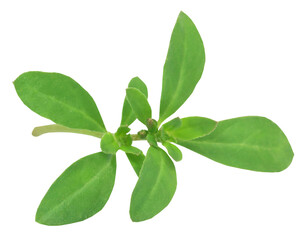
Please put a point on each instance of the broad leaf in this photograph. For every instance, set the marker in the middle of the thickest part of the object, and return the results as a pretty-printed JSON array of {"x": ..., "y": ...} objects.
[
  {"x": 183, "y": 66},
  {"x": 60, "y": 99},
  {"x": 155, "y": 187},
  {"x": 173, "y": 151},
  {"x": 128, "y": 115},
  {"x": 139, "y": 104},
  {"x": 80, "y": 192},
  {"x": 193, "y": 127},
  {"x": 109, "y": 143},
  {"x": 136, "y": 161},
  {"x": 253, "y": 143}
]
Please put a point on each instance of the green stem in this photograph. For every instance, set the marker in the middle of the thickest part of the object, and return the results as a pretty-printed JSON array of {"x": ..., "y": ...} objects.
[{"x": 59, "y": 128}]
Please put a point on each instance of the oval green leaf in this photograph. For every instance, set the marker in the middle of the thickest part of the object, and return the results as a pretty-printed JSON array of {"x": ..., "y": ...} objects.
[
  {"x": 155, "y": 187},
  {"x": 136, "y": 161},
  {"x": 80, "y": 192},
  {"x": 60, "y": 99},
  {"x": 193, "y": 127},
  {"x": 183, "y": 66},
  {"x": 253, "y": 143},
  {"x": 139, "y": 104},
  {"x": 128, "y": 116},
  {"x": 131, "y": 149},
  {"x": 173, "y": 151}
]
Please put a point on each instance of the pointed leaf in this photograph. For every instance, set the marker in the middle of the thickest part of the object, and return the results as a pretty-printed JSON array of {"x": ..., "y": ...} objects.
[
  {"x": 193, "y": 127},
  {"x": 139, "y": 104},
  {"x": 128, "y": 115},
  {"x": 253, "y": 143},
  {"x": 60, "y": 99},
  {"x": 109, "y": 143},
  {"x": 172, "y": 124},
  {"x": 136, "y": 161},
  {"x": 156, "y": 186},
  {"x": 173, "y": 151},
  {"x": 183, "y": 66},
  {"x": 80, "y": 192}
]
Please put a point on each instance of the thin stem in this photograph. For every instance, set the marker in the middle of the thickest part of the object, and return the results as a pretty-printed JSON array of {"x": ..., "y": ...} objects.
[
  {"x": 59, "y": 128},
  {"x": 136, "y": 137}
]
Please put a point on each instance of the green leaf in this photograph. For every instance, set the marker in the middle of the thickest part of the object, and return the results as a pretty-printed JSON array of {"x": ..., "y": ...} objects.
[
  {"x": 109, "y": 143},
  {"x": 122, "y": 137},
  {"x": 151, "y": 139},
  {"x": 122, "y": 130},
  {"x": 172, "y": 124},
  {"x": 193, "y": 127},
  {"x": 253, "y": 143},
  {"x": 173, "y": 151},
  {"x": 183, "y": 66},
  {"x": 152, "y": 125},
  {"x": 136, "y": 161},
  {"x": 155, "y": 187},
  {"x": 128, "y": 115},
  {"x": 139, "y": 104},
  {"x": 59, "y": 98},
  {"x": 81, "y": 191},
  {"x": 131, "y": 149}
]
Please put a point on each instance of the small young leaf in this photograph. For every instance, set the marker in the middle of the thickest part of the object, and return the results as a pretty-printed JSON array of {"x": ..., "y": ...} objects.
[
  {"x": 253, "y": 143},
  {"x": 155, "y": 187},
  {"x": 122, "y": 137},
  {"x": 139, "y": 104},
  {"x": 173, "y": 151},
  {"x": 152, "y": 125},
  {"x": 80, "y": 191},
  {"x": 172, "y": 124},
  {"x": 193, "y": 127},
  {"x": 109, "y": 143},
  {"x": 128, "y": 115},
  {"x": 59, "y": 98},
  {"x": 131, "y": 149},
  {"x": 122, "y": 130},
  {"x": 136, "y": 161},
  {"x": 183, "y": 66},
  {"x": 151, "y": 140}
]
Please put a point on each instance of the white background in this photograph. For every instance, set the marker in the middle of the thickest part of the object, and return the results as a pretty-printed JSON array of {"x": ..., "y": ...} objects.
[{"x": 254, "y": 66}]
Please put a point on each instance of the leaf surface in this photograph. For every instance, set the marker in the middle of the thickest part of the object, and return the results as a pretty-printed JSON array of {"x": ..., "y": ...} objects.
[
  {"x": 193, "y": 127},
  {"x": 172, "y": 124},
  {"x": 80, "y": 191},
  {"x": 183, "y": 66},
  {"x": 253, "y": 143},
  {"x": 155, "y": 187},
  {"x": 139, "y": 104},
  {"x": 60, "y": 99},
  {"x": 173, "y": 151},
  {"x": 136, "y": 161},
  {"x": 128, "y": 116},
  {"x": 109, "y": 143},
  {"x": 131, "y": 149}
]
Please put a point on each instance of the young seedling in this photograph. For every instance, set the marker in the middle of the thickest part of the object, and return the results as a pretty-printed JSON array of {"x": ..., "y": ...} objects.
[{"x": 253, "y": 143}]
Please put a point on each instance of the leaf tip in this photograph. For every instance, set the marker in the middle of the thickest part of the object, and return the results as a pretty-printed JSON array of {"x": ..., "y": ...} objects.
[{"x": 182, "y": 13}]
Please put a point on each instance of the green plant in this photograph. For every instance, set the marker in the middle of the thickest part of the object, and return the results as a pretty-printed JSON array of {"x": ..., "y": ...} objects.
[{"x": 253, "y": 143}]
